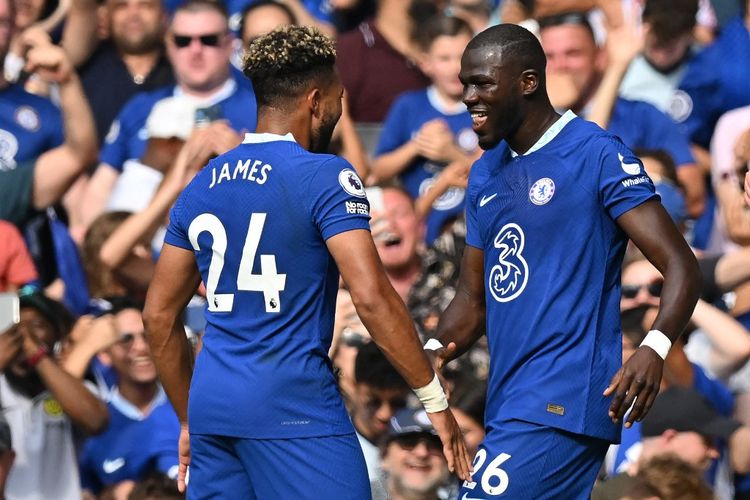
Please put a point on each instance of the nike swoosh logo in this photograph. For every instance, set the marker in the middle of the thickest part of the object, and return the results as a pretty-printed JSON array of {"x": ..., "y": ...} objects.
[
  {"x": 111, "y": 466},
  {"x": 486, "y": 199},
  {"x": 629, "y": 168}
]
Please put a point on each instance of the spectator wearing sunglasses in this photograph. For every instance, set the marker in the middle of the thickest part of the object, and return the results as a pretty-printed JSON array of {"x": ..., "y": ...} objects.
[
  {"x": 142, "y": 434},
  {"x": 199, "y": 46},
  {"x": 413, "y": 464}
]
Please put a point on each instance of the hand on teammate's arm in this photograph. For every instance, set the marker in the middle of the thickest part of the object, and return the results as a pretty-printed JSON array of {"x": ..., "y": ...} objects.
[
  {"x": 384, "y": 315},
  {"x": 637, "y": 383}
]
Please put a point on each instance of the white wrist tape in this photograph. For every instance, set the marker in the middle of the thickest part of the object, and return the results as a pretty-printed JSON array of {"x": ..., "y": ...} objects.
[
  {"x": 432, "y": 396},
  {"x": 433, "y": 345},
  {"x": 658, "y": 342}
]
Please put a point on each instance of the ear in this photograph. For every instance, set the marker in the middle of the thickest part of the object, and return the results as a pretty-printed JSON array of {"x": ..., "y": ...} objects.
[
  {"x": 314, "y": 99},
  {"x": 529, "y": 82}
]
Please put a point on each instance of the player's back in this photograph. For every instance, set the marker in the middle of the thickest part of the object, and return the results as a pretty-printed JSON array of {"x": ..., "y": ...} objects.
[{"x": 257, "y": 218}]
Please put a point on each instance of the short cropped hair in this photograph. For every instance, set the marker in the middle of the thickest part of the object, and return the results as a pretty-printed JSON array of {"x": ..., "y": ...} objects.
[
  {"x": 265, "y": 3},
  {"x": 670, "y": 19},
  {"x": 517, "y": 45},
  {"x": 567, "y": 19},
  {"x": 438, "y": 26},
  {"x": 202, "y": 6},
  {"x": 283, "y": 63}
]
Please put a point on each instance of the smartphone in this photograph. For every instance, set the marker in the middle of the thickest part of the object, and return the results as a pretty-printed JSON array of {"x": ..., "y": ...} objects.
[
  {"x": 204, "y": 116},
  {"x": 9, "y": 311},
  {"x": 375, "y": 197}
]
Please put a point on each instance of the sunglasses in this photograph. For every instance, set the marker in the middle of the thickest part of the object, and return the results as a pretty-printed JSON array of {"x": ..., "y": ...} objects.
[
  {"x": 210, "y": 40},
  {"x": 410, "y": 441},
  {"x": 631, "y": 291}
]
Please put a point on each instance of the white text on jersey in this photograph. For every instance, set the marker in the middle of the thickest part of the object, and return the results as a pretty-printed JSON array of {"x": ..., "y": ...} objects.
[{"x": 242, "y": 170}]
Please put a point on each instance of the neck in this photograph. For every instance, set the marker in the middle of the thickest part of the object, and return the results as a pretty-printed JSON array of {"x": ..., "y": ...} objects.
[
  {"x": 140, "y": 65},
  {"x": 404, "y": 277},
  {"x": 396, "y": 492},
  {"x": 281, "y": 121},
  {"x": 446, "y": 99},
  {"x": 535, "y": 124},
  {"x": 139, "y": 395},
  {"x": 393, "y": 22}
]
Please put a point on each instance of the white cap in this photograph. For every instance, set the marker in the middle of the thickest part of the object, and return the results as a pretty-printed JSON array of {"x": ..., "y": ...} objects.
[{"x": 171, "y": 117}]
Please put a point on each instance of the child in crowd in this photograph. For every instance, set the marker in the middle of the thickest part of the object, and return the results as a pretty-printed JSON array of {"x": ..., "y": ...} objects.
[{"x": 429, "y": 131}]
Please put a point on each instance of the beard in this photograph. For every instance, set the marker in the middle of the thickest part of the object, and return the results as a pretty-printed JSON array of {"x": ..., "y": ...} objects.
[
  {"x": 321, "y": 137},
  {"x": 30, "y": 384},
  {"x": 148, "y": 42}
]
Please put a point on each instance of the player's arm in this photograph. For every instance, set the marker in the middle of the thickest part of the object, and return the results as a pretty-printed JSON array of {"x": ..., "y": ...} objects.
[
  {"x": 386, "y": 318},
  {"x": 462, "y": 322},
  {"x": 175, "y": 280},
  {"x": 654, "y": 233}
]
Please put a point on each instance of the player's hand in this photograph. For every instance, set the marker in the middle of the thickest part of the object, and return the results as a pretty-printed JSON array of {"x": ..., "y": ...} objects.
[
  {"x": 183, "y": 457},
  {"x": 637, "y": 381},
  {"x": 440, "y": 357},
  {"x": 454, "y": 447}
]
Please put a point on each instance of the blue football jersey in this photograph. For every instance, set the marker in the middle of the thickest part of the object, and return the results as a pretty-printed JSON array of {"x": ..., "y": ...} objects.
[
  {"x": 29, "y": 126},
  {"x": 552, "y": 255},
  {"x": 132, "y": 446},
  {"x": 257, "y": 218},
  {"x": 127, "y": 137},
  {"x": 409, "y": 112}
]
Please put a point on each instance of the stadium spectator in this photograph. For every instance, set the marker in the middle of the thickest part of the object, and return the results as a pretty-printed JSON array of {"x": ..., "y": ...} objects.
[
  {"x": 664, "y": 476},
  {"x": 156, "y": 487},
  {"x": 7, "y": 455},
  {"x": 132, "y": 60},
  {"x": 42, "y": 402},
  {"x": 261, "y": 17},
  {"x": 569, "y": 44},
  {"x": 377, "y": 61},
  {"x": 199, "y": 47},
  {"x": 428, "y": 130},
  {"x": 654, "y": 75},
  {"x": 143, "y": 429},
  {"x": 16, "y": 267},
  {"x": 682, "y": 424},
  {"x": 103, "y": 282},
  {"x": 413, "y": 465},
  {"x": 379, "y": 392},
  {"x": 714, "y": 82}
]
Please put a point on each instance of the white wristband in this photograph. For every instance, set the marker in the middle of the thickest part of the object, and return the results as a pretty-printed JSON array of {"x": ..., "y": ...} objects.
[
  {"x": 658, "y": 342},
  {"x": 432, "y": 396},
  {"x": 433, "y": 345}
]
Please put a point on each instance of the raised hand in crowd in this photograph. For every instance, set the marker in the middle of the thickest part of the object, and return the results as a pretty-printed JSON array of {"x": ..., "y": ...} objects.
[
  {"x": 89, "y": 337},
  {"x": 435, "y": 142}
]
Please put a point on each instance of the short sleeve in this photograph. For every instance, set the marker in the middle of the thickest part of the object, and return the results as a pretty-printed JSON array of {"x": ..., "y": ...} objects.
[
  {"x": 338, "y": 202},
  {"x": 623, "y": 183},
  {"x": 177, "y": 234},
  {"x": 394, "y": 133}
]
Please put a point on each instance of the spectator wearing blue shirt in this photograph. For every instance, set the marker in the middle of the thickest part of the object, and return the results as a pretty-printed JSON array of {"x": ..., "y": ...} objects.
[
  {"x": 199, "y": 46},
  {"x": 143, "y": 429},
  {"x": 571, "y": 50},
  {"x": 428, "y": 130}
]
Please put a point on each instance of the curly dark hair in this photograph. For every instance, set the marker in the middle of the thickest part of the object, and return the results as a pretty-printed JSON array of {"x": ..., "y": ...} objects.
[{"x": 283, "y": 63}]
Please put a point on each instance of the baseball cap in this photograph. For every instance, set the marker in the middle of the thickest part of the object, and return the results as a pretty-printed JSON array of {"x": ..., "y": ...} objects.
[
  {"x": 171, "y": 117},
  {"x": 684, "y": 410},
  {"x": 5, "y": 440},
  {"x": 410, "y": 421}
]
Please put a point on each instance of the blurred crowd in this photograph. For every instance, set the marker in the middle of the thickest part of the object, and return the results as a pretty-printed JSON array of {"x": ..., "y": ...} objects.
[{"x": 108, "y": 108}]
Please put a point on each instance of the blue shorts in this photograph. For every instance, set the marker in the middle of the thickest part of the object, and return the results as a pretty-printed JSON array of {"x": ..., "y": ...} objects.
[
  {"x": 529, "y": 461},
  {"x": 275, "y": 469}
]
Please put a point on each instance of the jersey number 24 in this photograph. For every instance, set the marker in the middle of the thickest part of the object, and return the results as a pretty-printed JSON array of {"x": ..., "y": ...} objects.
[{"x": 268, "y": 281}]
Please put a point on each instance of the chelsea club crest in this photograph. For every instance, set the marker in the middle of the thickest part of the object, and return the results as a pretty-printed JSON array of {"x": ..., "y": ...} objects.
[{"x": 542, "y": 191}]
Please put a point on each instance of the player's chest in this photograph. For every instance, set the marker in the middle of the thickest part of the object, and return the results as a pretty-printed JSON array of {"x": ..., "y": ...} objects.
[{"x": 539, "y": 197}]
